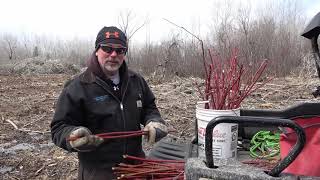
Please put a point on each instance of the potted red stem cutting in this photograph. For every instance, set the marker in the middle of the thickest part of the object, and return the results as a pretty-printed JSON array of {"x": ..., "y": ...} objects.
[{"x": 227, "y": 84}]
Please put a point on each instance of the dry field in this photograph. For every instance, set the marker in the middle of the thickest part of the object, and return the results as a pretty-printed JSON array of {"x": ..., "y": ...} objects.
[{"x": 27, "y": 106}]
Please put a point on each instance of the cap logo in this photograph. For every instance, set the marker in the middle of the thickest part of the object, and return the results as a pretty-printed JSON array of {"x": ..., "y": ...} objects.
[{"x": 115, "y": 34}]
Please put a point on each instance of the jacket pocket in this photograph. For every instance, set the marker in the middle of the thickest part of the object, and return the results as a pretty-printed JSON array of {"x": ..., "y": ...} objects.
[
  {"x": 100, "y": 115},
  {"x": 101, "y": 108}
]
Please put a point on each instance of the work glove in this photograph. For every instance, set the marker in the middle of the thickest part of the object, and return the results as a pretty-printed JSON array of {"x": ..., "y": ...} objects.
[
  {"x": 156, "y": 131},
  {"x": 84, "y": 141}
]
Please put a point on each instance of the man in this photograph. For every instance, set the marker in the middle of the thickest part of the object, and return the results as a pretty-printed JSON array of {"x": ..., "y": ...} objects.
[{"x": 107, "y": 97}]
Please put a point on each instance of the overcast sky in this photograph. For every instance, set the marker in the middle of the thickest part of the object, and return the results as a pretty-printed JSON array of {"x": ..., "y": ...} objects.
[{"x": 84, "y": 18}]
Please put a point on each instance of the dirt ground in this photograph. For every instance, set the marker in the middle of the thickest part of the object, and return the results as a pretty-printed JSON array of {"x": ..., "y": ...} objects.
[{"x": 27, "y": 106}]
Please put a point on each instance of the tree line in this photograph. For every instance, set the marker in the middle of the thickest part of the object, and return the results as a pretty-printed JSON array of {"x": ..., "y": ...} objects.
[{"x": 256, "y": 34}]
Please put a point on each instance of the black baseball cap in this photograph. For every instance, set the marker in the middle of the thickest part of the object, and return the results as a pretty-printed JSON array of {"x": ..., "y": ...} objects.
[{"x": 111, "y": 35}]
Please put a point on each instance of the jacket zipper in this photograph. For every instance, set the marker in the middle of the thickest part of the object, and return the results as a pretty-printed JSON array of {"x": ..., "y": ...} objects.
[
  {"x": 124, "y": 122},
  {"x": 101, "y": 83}
]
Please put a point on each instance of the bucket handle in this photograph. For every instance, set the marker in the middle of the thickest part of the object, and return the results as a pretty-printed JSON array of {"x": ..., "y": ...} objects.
[
  {"x": 202, "y": 102},
  {"x": 251, "y": 121}
]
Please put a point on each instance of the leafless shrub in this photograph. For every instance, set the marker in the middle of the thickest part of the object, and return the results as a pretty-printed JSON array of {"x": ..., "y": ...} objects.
[
  {"x": 260, "y": 34},
  {"x": 307, "y": 68},
  {"x": 170, "y": 58},
  {"x": 9, "y": 45}
]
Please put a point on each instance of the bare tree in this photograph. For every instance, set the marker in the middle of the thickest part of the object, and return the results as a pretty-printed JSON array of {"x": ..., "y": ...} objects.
[
  {"x": 9, "y": 45},
  {"x": 223, "y": 27},
  {"x": 244, "y": 20},
  {"x": 130, "y": 24},
  {"x": 26, "y": 45}
]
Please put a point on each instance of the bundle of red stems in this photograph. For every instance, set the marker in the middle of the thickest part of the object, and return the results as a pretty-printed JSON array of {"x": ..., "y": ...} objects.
[
  {"x": 114, "y": 135},
  {"x": 228, "y": 83},
  {"x": 150, "y": 169},
  {"x": 263, "y": 164}
]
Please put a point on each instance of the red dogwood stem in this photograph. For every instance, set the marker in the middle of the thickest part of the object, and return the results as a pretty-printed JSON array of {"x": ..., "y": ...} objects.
[{"x": 224, "y": 86}]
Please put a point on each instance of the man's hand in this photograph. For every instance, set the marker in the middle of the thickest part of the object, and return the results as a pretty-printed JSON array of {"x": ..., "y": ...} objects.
[
  {"x": 84, "y": 140},
  {"x": 156, "y": 131}
]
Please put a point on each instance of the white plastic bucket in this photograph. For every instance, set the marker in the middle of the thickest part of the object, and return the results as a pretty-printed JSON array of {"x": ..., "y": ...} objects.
[{"x": 225, "y": 135}]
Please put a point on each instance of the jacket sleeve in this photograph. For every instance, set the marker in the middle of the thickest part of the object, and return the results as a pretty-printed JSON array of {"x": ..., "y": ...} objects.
[
  {"x": 150, "y": 110},
  {"x": 67, "y": 117}
]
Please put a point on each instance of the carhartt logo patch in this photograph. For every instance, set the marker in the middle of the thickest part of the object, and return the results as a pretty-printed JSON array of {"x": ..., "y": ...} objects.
[
  {"x": 139, "y": 104},
  {"x": 101, "y": 98}
]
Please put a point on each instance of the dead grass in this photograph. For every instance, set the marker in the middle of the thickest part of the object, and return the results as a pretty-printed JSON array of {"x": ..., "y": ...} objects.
[{"x": 28, "y": 101}]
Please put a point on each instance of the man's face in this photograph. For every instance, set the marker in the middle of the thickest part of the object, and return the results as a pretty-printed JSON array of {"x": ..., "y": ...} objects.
[{"x": 110, "y": 58}]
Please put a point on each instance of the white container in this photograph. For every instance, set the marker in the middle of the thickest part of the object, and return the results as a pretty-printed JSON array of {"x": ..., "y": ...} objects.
[{"x": 225, "y": 135}]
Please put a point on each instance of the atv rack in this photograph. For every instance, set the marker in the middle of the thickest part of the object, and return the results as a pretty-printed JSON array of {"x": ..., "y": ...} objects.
[{"x": 250, "y": 122}]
